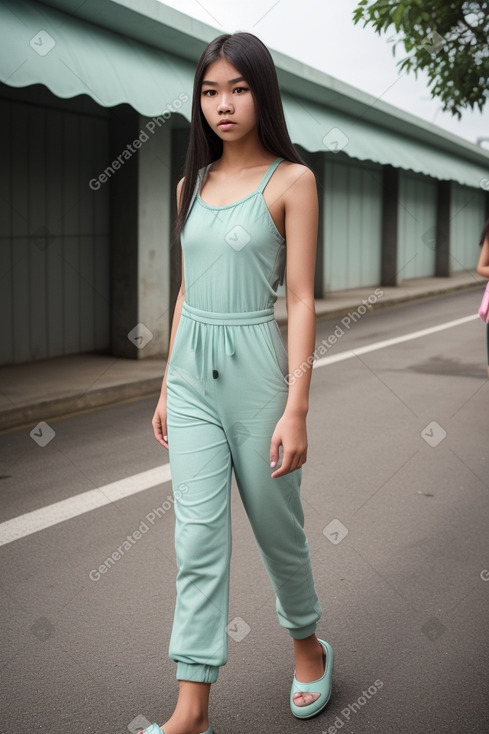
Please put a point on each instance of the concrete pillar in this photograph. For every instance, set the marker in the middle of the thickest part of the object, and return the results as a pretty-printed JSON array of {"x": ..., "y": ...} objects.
[
  {"x": 140, "y": 230},
  {"x": 442, "y": 238},
  {"x": 154, "y": 206},
  {"x": 179, "y": 145},
  {"x": 390, "y": 218},
  {"x": 123, "y": 230}
]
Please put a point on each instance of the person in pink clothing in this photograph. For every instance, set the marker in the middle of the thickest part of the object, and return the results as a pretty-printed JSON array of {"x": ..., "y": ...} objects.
[{"x": 483, "y": 269}]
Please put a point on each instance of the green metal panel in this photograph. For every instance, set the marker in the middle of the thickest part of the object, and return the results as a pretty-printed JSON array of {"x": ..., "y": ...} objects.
[
  {"x": 417, "y": 221},
  {"x": 466, "y": 222},
  {"x": 54, "y": 237},
  {"x": 352, "y": 225}
]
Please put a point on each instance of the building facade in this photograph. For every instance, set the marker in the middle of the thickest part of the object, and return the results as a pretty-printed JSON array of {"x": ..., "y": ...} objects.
[{"x": 95, "y": 112}]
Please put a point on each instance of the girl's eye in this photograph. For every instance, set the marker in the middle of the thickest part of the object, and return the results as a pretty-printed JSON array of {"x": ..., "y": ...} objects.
[{"x": 206, "y": 91}]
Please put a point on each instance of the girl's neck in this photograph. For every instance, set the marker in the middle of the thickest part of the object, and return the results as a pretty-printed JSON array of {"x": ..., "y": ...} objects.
[{"x": 234, "y": 159}]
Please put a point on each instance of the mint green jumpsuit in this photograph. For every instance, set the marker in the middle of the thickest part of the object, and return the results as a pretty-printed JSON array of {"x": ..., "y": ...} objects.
[{"x": 226, "y": 390}]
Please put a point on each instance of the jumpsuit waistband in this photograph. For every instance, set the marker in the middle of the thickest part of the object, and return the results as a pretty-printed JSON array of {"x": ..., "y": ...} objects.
[
  {"x": 222, "y": 340},
  {"x": 240, "y": 318}
]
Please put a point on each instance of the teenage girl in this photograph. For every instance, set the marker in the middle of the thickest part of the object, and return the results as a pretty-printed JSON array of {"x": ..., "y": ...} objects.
[
  {"x": 483, "y": 269},
  {"x": 232, "y": 395}
]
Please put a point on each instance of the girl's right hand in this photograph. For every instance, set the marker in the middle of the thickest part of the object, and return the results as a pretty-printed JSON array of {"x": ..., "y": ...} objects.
[{"x": 159, "y": 421}]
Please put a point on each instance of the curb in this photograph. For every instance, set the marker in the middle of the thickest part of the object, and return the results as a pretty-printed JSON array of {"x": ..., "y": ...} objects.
[
  {"x": 30, "y": 415},
  {"x": 395, "y": 300}
]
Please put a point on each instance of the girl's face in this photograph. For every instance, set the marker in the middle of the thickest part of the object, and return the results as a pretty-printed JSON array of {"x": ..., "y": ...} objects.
[{"x": 228, "y": 97}]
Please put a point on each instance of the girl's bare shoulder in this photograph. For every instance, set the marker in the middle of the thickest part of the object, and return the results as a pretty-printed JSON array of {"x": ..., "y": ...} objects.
[
  {"x": 291, "y": 172},
  {"x": 296, "y": 177}
]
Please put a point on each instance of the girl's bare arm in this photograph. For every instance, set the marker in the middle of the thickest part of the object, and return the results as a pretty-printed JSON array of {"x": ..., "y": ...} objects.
[{"x": 301, "y": 225}]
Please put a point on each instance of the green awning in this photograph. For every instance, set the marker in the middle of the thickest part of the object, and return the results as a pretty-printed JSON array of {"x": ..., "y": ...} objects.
[
  {"x": 317, "y": 128},
  {"x": 72, "y": 56},
  {"x": 88, "y": 59}
]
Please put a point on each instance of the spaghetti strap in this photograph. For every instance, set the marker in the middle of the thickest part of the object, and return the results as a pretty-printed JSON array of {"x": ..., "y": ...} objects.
[
  {"x": 201, "y": 174},
  {"x": 269, "y": 173},
  {"x": 202, "y": 177}
]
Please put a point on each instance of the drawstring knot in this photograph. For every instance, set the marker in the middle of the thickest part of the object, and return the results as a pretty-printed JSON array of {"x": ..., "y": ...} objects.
[{"x": 220, "y": 338}]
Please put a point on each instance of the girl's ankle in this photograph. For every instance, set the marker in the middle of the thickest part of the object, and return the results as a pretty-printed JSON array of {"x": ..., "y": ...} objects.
[{"x": 191, "y": 718}]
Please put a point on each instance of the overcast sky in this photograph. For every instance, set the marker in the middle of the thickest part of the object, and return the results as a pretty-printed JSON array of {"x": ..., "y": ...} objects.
[{"x": 321, "y": 33}]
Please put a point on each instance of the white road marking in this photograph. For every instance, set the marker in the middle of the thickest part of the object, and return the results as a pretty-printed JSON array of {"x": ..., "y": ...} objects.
[
  {"x": 45, "y": 517},
  {"x": 391, "y": 342}
]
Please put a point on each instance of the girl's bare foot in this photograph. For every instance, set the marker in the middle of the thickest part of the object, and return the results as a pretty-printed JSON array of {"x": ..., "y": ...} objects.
[{"x": 310, "y": 664}]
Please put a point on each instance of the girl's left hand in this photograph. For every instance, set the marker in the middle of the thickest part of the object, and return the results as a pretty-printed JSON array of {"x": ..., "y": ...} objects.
[{"x": 291, "y": 432}]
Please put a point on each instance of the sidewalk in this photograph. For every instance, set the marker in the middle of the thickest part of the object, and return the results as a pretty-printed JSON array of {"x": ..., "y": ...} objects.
[{"x": 61, "y": 386}]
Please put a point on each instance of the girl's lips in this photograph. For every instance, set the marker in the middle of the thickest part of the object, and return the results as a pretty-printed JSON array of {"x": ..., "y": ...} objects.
[{"x": 226, "y": 125}]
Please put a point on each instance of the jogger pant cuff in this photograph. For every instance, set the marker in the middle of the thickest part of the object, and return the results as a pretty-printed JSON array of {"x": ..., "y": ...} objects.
[
  {"x": 300, "y": 634},
  {"x": 197, "y": 672}
]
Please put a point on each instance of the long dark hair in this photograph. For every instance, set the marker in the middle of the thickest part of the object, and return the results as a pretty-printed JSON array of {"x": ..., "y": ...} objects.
[
  {"x": 253, "y": 60},
  {"x": 484, "y": 233}
]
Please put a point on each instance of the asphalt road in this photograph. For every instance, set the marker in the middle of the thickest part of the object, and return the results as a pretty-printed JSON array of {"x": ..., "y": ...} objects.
[{"x": 396, "y": 497}]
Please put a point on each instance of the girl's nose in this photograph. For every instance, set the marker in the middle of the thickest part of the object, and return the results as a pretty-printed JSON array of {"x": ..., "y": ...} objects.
[{"x": 224, "y": 105}]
